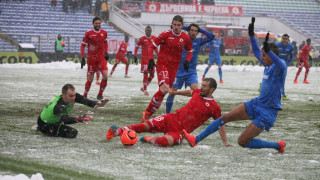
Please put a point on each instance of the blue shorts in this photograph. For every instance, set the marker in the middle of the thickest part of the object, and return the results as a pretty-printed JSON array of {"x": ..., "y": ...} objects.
[
  {"x": 262, "y": 117},
  {"x": 188, "y": 80},
  {"x": 215, "y": 59}
]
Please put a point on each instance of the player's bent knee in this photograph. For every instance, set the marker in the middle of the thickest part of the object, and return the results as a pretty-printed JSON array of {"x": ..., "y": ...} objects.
[{"x": 242, "y": 142}]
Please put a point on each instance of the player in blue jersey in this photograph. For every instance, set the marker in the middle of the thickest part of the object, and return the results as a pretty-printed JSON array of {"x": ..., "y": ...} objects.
[
  {"x": 214, "y": 56},
  {"x": 263, "y": 110},
  {"x": 189, "y": 78},
  {"x": 286, "y": 51}
]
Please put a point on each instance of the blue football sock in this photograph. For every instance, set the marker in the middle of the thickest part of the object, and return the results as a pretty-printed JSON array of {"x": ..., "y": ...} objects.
[
  {"x": 213, "y": 127},
  {"x": 205, "y": 71},
  {"x": 220, "y": 73},
  {"x": 169, "y": 104},
  {"x": 258, "y": 144}
]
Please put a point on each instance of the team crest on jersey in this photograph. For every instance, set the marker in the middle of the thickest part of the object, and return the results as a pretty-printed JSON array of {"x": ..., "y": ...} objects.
[
  {"x": 207, "y": 104},
  {"x": 181, "y": 40},
  {"x": 101, "y": 34}
]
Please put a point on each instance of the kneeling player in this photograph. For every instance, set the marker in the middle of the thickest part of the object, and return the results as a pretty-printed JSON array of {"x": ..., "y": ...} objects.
[{"x": 55, "y": 115}]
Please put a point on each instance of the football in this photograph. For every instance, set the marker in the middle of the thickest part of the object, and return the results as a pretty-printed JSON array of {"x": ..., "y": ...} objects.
[
  {"x": 129, "y": 137},
  {"x": 63, "y": 43}
]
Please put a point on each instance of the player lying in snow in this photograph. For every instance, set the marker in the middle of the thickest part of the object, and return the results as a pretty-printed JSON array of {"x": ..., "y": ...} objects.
[
  {"x": 199, "y": 109},
  {"x": 55, "y": 115},
  {"x": 263, "y": 110}
]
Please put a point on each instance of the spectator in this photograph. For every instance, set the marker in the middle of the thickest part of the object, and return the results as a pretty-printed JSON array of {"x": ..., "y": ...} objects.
[
  {"x": 105, "y": 11},
  {"x": 65, "y": 6},
  {"x": 97, "y": 8},
  {"x": 295, "y": 50},
  {"x": 54, "y": 3},
  {"x": 59, "y": 47},
  {"x": 301, "y": 45}
]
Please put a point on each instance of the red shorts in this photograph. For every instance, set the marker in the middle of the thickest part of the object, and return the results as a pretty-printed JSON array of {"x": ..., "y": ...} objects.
[
  {"x": 303, "y": 63},
  {"x": 169, "y": 125},
  {"x": 97, "y": 66},
  {"x": 165, "y": 75},
  {"x": 144, "y": 65},
  {"x": 121, "y": 59}
]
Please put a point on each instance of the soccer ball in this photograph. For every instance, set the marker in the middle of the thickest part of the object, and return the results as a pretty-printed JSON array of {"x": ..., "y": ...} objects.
[
  {"x": 63, "y": 43},
  {"x": 129, "y": 137}
]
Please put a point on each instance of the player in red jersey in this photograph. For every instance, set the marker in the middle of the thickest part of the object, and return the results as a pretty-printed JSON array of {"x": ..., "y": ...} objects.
[
  {"x": 144, "y": 42},
  {"x": 199, "y": 109},
  {"x": 96, "y": 41},
  {"x": 171, "y": 42},
  {"x": 121, "y": 56},
  {"x": 304, "y": 53}
]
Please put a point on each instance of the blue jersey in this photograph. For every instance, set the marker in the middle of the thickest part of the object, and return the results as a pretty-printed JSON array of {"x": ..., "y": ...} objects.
[
  {"x": 285, "y": 52},
  {"x": 273, "y": 78},
  {"x": 214, "y": 48},
  {"x": 196, "y": 44}
]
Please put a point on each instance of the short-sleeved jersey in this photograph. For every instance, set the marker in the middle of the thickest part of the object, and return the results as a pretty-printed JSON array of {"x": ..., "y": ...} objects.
[
  {"x": 198, "y": 110},
  {"x": 214, "y": 46},
  {"x": 97, "y": 44},
  {"x": 122, "y": 50},
  {"x": 171, "y": 46},
  {"x": 304, "y": 52},
  {"x": 144, "y": 42},
  {"x": 273, "y": 78},
  {"x": 285, "y": 52}
]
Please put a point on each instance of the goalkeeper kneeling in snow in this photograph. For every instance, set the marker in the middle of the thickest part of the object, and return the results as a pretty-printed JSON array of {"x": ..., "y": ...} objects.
[{"x": 55, "y": 115}]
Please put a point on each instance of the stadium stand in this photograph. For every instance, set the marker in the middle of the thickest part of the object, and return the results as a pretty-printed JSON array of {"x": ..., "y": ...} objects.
[
  {"x": 303, "y": 16},
  {"x": 39, "y": 23}
]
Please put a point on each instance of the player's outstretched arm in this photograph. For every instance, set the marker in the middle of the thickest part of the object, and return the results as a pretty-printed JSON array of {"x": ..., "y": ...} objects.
[
  {"x": 101, "y": 103},
  {"x": 182, "y": 93},
  {"x": 209, "y": 35}
]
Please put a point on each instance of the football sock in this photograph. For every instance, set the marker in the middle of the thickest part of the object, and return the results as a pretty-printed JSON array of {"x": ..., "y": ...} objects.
[
  {"x": 220, "y": 73},
  {"x": 98, "y": 76},
  {"x": 213, "y": 127},
  {"x": 169, "y": 104},
  {"x": 306, "y": 74},
  {"x": 145, "y": 81},
  {"x": 298, "y": 74},
  {"x": 258, "y": 144},
  {"x": 138, "y": 128},
  {"x": 205, "y": 71},
  {"x": 160, "y": 141},
  {"x": 113, "y": 68},
  {"x": 155, "y": 102},
  {"x": 87, "y": 88},
  {"x": 151, "y": 76},
  {"x": 127, "y": 68},
  {"x": 103, "y": 85}
]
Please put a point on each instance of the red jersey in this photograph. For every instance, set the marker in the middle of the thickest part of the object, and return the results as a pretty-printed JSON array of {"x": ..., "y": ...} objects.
[
  {"x": 304, "y": 52},
  {"x": 171, "y": 46},
  {"x": 122, "y": 50},
  {"x": 97, "y": 45},
  {"x": 144, "y": 42},
  {"x": 198, "y": 110}
]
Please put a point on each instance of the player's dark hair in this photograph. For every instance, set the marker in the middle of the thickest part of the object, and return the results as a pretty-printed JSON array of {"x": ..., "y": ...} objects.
[
  {"x": 96, "y": 18},
  {"x": 195, "y": 25},
  {"x": 177, "y": 18},
  {"x": 274, "y": 48},
  {"x": 212, "y": 82},
  {"x": 148, "y": 27},
  {"x": 285, "y": 35},
  {"x": 66, "y": 87},
  {"x": 308, "y": 39}
]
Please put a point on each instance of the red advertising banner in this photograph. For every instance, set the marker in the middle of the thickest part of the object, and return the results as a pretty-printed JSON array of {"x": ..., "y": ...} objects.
[{"x": 157, "y": 7}]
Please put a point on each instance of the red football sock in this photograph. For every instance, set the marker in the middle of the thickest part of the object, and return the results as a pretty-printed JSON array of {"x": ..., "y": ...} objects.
[
  {"x": 113, "y": 68},
  {"x": 87, "y": 88},
  {"x": 160, "y": 141},
  {"x": 297, "y": 75},
  {"x": 150, "y": 79},
  {"x": 127, "y": 68},
  {"x": 155, "y": 102},
  {"x": 145, "y": 81},
  {"x": 98, "y": 76},
  {"x": 103, "y": 85},
  {"x": 306, "y": 74},
  {"x": 138, "y": 128}
]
